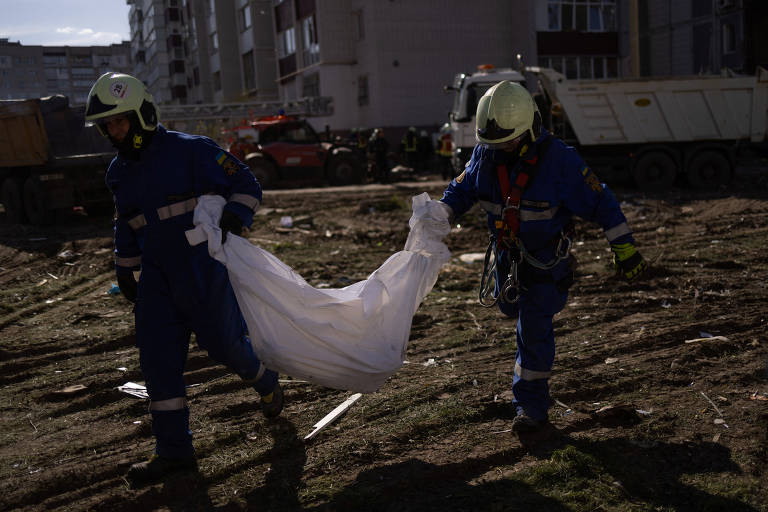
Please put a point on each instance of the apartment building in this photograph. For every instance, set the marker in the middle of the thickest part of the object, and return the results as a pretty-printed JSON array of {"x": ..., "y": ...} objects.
[
  {"x": 702, "y": 36},
  {"x": 385, "y": 62},
  {"x": 38, "y": 71},
  {"x": 204, "y": 51}
]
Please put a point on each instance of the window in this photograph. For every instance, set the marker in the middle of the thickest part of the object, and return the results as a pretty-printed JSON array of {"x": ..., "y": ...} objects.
[
  {"x": 249, "y": 73},
  {"x": 362, "y": 90},
  {"x": 82, "y": 71},
  {"x": 286, "y": 42},
  {"x": 244, "y": 18},
  {"x": 311, "y": 85},
  {"x": 217, "y": 81},
  {"x": 581, "y": 15},
  {"x": 583, "y": 67},
  {"x": 359, "y": 26},
  {"x": 214, "y": 40},
  {"x": 729, "y": 38},
  {"x": 311, "y": 52}
]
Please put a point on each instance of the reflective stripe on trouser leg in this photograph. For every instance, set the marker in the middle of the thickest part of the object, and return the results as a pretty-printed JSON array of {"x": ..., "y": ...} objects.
[
  {"x": 535, "y": 349},
  {"x": 163, "y": 341}
]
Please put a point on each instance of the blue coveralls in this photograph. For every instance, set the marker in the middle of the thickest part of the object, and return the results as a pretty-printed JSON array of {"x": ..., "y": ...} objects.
[
  {"x": 181, "y": 288},
  {"x": 563, "y": 186}
]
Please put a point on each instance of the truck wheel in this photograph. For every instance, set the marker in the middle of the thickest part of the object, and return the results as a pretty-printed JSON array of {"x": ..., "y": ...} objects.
[
  {"x": 708, "y": 170},
  {"x": 12, "y": 202},
  {"x": 654, "y": 171},
  {"x": 36, "y": 203},
  {"x": 264, "y": 171},
  {"x": 345, "y": 170}
]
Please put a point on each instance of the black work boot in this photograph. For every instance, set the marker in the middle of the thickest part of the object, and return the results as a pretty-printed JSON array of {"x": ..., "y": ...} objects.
[
  {"x": 272, "y": 403},
  {"x": 524, "y": 424},
  {"x": 158, "y": 467}
]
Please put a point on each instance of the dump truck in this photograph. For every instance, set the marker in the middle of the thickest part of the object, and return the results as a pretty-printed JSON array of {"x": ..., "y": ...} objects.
[
  {"x": 49, "y": 160},
  {"x": 657, "y": 132}
]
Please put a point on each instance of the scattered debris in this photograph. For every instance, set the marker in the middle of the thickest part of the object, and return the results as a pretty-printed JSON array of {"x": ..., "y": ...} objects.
[
  {"x": 114, "y": 289},
  {"x": 708, "y": 338},
  {"x": 333, "y": 415},
  {"x": 134, "y": 389},
  {"x": 611, "y": 360},
  {"x": 430, "y": 362},
  {"x": 719, "y": 413},
  {"x": 71, "y": 390},
  {"x": 472, "y": 257},
  {"x": 286, "y": 221},
  {"x": 758, "y": 396}
]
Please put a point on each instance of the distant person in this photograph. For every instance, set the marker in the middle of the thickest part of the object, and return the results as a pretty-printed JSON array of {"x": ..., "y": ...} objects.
[
  {"x": 445, "y": 152},
  {"x": 425, "y": 152},
  {"x": 380, "y": 151},
  {"x": 155, "y": 180},
  {"x": 531, "y": 185},
  {"x": 409, "y": 147}
]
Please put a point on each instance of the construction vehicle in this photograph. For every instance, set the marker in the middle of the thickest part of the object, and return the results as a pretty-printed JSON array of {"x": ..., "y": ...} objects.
[
  {"x": 286, "y": 149},
  {"x": 49, "y": 160},
  {"x": 655, "y": 132}
]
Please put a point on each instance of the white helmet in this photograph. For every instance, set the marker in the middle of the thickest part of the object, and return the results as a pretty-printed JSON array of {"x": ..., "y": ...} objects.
[
  {"x": 118, "y": 93},
  {"x": 446, "y": 128},
  {"x": 506, "y": 112}
]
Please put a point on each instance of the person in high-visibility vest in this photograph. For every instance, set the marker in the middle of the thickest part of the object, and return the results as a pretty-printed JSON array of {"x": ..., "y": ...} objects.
[{"x": 445, "y": 151}]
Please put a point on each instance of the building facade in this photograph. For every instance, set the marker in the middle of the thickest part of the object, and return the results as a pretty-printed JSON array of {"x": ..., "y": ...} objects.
[
  {"x": 39, "y": 71},
  {"x": 701, "y": 36},
  {"x": 385, "y": 62},
  {"x": 204, "y": 51}
]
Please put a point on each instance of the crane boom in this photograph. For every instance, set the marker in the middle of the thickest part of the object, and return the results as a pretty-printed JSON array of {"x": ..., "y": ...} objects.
[{"x": 308, "y": 106}]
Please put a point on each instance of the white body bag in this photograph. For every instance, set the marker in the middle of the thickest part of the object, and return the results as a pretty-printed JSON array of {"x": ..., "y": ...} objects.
[{"x": 349, "y": 338}]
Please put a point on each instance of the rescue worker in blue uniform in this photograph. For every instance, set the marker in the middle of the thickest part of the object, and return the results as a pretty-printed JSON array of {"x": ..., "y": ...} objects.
[
  {"x": 155, "y": 180},
  {"x": 531, "y": 185}
]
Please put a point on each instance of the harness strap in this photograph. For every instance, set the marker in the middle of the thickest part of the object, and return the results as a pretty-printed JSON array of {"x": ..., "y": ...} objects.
[{"x": 509, "y": 225}]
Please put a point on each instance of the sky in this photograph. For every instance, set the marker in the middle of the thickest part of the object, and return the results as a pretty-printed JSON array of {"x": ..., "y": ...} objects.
[{"x": 64, "y": 22}]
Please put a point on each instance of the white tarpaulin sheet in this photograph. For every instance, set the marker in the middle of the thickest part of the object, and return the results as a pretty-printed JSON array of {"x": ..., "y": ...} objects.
[{"x": 349, "y": 338}]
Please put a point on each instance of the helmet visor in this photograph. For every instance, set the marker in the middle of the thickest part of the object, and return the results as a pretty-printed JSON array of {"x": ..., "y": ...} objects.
[{"x": 507, "y": 145}]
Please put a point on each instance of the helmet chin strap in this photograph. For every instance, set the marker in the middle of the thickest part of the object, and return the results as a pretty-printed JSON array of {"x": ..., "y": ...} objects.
[{"x": 134, "y": 141}]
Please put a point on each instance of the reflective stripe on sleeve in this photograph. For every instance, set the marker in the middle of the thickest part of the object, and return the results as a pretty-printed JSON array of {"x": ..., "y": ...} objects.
[
  {"x": 248, "y": 200},
  {"x": 527, "y": 374},
  {"x": 617, "y": 231},
  {"x": 538, "y": 215},
  {"x": 489, "y": 207},
  {"x": 133, "y": 261},
  {"x": 138, "y": 221},
  {"x": 172, "y": 404},
  {"x": 180, "y": 208}
]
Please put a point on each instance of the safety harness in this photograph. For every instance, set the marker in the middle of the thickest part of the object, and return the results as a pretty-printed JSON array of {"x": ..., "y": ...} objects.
[{"x": 507, "y": 230}]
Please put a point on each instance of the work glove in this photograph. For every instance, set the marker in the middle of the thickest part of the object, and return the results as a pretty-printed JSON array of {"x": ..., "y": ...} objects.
[
  {"x": 128, "y": 286},
  {"x": 230, "y": 223},
  {"x": 628, "y": 262}
]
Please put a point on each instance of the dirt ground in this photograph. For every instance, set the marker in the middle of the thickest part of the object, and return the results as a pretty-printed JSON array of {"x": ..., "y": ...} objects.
[{"x": 643, "y": 418}]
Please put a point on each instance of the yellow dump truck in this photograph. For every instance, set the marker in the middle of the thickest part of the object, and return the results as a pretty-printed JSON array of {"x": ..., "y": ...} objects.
[{"x": 49, "y": 160}]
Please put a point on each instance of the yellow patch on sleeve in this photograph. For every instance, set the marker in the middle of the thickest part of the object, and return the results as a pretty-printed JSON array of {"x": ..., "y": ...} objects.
[
  {"x": 592, "y": 181},
  {"x": 460, "y": 177}
]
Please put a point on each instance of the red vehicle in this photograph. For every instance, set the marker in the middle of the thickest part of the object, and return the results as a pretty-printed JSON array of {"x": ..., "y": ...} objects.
[{"x": 285, "y": 149}]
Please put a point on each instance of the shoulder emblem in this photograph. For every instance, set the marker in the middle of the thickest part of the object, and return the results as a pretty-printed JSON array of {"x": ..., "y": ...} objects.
[
  {"x": 227, "y": 163},
  {"x": 590, "y": 178}
]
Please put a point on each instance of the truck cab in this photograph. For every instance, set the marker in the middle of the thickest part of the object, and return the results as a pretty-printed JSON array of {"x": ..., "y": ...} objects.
[{"x": 468, "y": 89}]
